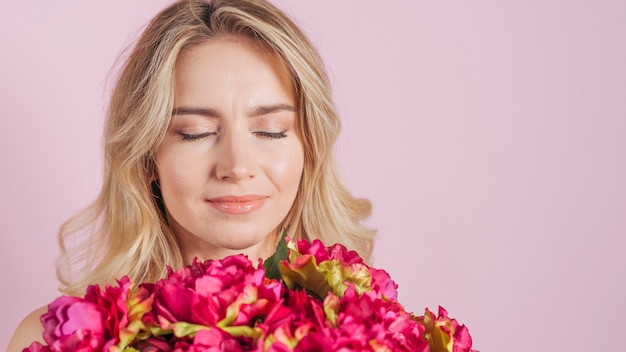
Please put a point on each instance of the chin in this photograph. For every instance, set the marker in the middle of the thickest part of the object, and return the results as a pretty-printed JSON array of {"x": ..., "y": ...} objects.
[{"x": 248, "y": 242}]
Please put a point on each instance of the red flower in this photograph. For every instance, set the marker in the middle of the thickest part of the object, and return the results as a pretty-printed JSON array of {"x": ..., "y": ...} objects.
[
  {"x": 444, "y": 333},
  {"x": 382, "y": 284},
  {"x": 368, "y": 323},
  {"x": 321, "y": 270},
  {"x": 201, "y": 292},
  {"x": 67, "y": 315},
  {"x": 213, "y": 340},
  {"x": 96, "y": 322},
  {"x": 329, "y": 301},
  {"x": 37, "y": 347},
  {"x": 323, "y": 253}
]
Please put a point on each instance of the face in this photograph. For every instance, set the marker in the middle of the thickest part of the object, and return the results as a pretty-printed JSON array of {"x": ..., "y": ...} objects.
[{"x": 231, "y": 162}]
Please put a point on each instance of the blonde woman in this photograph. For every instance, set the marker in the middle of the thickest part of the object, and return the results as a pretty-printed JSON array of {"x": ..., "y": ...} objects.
[{"x": 219, "y": 137}]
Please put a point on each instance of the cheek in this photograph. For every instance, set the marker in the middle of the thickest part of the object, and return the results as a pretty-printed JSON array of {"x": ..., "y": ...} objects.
[
  {"x": 176, "y": 173},
  {"x": 287, "y": 168}
]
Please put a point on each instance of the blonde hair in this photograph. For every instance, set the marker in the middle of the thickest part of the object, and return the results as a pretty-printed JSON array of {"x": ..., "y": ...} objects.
[{"x": 127, "y": 233}]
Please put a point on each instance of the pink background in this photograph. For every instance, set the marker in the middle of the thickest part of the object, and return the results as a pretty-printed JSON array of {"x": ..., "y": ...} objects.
[{"x": 490, "y": 136}]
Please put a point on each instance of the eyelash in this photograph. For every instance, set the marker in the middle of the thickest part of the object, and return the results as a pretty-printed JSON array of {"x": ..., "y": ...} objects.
[
  {"x": 187, "y": 137},
  {"x": 271, "y": 135}
]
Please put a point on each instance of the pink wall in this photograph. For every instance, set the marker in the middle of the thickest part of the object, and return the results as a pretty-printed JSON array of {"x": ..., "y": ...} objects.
[{"x": 490, "y": 136}]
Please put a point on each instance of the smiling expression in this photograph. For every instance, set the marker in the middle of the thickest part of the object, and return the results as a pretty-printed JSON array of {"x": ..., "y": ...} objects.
[{"x": 231, "y": 162}]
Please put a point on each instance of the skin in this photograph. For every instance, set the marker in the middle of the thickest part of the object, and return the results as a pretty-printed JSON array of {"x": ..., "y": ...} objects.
[
  {"x": 29, "y": 330},
  {"x": 232, "y": 134}
]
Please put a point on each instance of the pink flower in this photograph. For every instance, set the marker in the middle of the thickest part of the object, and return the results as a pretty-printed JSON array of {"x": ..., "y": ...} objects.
[
  {"x": 321, "y": 270},
  {"x": 212, "y": 340},
  {"x": 200, "y": 293},
  {"x": 102, "y": 320},
  {"x": 37, "y": 347},
  {"x": 229, "y": 293},
  {"x": 154, "y": 344},
  {"x": 315, "y": 342},
  {"x": 444, "y": 333},
  {"x": 329, "y": 300},
  {"x": 80, "y": 340},
  {"x": 290, "y": 320},
  {"x": 323, "y": 253},
  {"x": 124, "y": 310},
  {"x": 268, "y": 294},
  {"x": 66, "y": 315},
  {"x": 366, "y": 322},
  {"x": 382, "y": 284}
]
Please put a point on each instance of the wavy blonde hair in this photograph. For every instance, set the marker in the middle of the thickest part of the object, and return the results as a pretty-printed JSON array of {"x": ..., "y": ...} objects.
[{"x": 124, "y": 232}]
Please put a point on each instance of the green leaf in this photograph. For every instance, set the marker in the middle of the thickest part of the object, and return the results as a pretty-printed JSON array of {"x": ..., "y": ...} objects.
[{"x": 271, "y": 264}]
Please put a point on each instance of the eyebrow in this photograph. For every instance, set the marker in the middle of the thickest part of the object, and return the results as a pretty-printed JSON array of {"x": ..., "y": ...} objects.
[
  {"x": 210, "y": 112},
  {"x": 195, "y": 111},
  {"x": 270, "y": 109}
]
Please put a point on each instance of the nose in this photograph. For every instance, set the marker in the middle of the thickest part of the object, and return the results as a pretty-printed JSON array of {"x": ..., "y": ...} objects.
[{"x": 235, "y": 160}]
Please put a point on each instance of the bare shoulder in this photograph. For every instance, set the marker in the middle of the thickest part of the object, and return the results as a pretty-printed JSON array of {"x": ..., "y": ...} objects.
[{"x": 29, "y": 330}]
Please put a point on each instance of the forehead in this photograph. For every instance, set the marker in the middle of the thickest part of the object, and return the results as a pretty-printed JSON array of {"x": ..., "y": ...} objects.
[{"x": 232, "y": 65}]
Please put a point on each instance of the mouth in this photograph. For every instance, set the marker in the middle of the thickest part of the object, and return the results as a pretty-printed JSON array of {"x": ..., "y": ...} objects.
[{"x": 238, "y": 204}]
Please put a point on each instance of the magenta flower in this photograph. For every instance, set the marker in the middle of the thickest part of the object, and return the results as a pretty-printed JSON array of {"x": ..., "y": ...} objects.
[
  {"x": 68, "y": 315},
  {"x": 323, "y": 253},
  {"x": 382, "y": 284},
  {"x": 213, "y": 340},
  {"x": 367, "y": 323},
  {"x": 319, "y": 299},
  {"x": 103, "y": 320},
  {"x": 322, "y": 270},
  {"x": 444, "y": 333},
  {"x": 37, "y": 347},
  {"x": 201, "y": 292}
]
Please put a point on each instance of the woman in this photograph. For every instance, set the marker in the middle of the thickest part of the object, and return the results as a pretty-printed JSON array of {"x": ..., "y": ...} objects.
[{"x": 219, "y": 138}]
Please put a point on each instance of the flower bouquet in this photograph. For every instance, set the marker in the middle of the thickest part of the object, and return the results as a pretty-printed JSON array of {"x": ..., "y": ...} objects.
[{"x": 306, "y": 297}]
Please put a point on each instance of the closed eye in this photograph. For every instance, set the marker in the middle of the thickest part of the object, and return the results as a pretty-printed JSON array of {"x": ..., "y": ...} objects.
[
  {"x": 271, "y": 135},
  {"x": 189, "y": 137}
]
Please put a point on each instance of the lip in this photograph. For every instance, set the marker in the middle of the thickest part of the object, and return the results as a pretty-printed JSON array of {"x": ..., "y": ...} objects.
[{"x": 238, "y": 204}]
